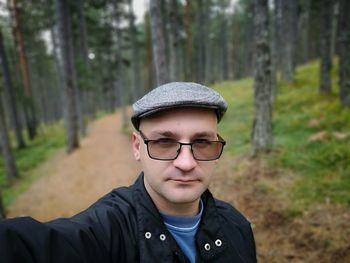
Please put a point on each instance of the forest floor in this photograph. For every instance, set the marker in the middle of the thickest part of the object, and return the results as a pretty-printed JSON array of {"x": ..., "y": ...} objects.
[{"x": 104, "y": 161}]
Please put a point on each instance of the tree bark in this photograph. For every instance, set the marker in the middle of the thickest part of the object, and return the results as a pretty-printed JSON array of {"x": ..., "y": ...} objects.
[
  {"x": 224, "y": 48},
  {"x": 2, "y": 208},
  {"x": 149, "y": 54},
  {"x": 235, "y": 47},
  {"x": 158, "y": 42},
  {"x": 9, "y": 162},
  {"x": 136, "y": 71},
  {"x": 344, "y": 52},
  {"x": 277, "y": 52},
  {"x": 248, "y": 40},
  {"x": 83, "y": 48},
  {"x": 201, "y": 40},
  {"x": 57, "y": 55},
  {"x": 189, "y": 40},
  {"x": 69, "y": 81},
  {"x": 29, "y": 111},
  {"x": 305, "y": 27},
  {"x": 10, "y": 95},
  {"x": 121, "y": 90},
  {"x": 289, "y": 24},
  {"x": 56, "y": 47},
  {"x": 262, "y": 126},
  {"x": 174, "y": 37},
  {"x": 326, "y": 59}
]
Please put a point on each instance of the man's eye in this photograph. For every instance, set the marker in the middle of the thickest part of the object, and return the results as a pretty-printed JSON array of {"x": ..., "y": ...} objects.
[
  {"x": 202, "y": 142},
  {"x": 164, "y": 141}
]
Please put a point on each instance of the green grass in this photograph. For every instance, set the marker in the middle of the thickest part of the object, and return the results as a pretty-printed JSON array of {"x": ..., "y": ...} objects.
[
  {"x": 236, "y": 123},
  {"x": 322, "y": 168},
  {"x": 49, "y": 140}
]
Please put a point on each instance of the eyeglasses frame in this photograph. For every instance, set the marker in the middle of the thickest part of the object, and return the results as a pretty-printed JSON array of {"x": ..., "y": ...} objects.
[{"x": 147, "y": 141}]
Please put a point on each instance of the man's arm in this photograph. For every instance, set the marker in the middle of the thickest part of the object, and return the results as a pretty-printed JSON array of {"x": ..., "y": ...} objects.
[{"x": 27, "y": 240}]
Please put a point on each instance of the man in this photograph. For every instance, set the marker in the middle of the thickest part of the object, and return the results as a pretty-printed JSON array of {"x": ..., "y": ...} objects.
[{"x": 168, "y": 215}]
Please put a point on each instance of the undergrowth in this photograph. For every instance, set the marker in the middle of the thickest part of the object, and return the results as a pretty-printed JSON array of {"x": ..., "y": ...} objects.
[
  {"x": 311, "y": 134},
  {"x": 49, "y": 140}
]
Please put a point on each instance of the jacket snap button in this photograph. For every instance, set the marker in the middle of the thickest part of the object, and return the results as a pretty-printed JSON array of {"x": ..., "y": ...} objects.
[
  {"x": 162, "y": 237},
  {"x": 148, "y": 235},
  {"x": 218, "y": 243},
  {"x": 207, "y": 247}
]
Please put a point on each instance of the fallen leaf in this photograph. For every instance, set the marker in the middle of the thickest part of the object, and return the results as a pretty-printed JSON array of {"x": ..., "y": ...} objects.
[
  {"x": 341, "y": 135},
  {"x": 314, "y": 122},
  {"x": 320, "y": 136}
]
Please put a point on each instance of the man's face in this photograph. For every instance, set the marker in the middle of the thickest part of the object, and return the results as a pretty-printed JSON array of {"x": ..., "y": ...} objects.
[{"x": 180, "y": 182}]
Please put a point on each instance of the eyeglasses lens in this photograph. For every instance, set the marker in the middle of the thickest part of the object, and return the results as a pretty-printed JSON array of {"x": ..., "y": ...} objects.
[{"x": 204, "y": 151}]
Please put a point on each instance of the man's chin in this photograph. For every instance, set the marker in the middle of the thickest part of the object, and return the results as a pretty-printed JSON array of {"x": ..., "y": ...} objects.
[{"x": 184, "y": 196}]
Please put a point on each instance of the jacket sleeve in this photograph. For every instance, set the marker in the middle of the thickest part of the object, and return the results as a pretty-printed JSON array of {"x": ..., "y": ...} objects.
[
  {"x": 27, "y": 240},
  {"x": 105, "y": 232}
]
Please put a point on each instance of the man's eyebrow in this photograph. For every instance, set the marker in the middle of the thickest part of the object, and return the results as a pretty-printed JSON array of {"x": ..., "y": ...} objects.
[
  {"x": 163, "y": 133},
  {"x": 170, "y": 134},
  {"x": 204, "y": 134}
]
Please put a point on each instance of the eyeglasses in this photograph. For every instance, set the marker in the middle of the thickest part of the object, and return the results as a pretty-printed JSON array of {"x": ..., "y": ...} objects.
[{"x": 168, "y": 149}]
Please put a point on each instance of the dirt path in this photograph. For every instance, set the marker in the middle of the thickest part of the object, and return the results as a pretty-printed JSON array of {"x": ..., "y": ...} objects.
[{"x": 103, "y": 162}]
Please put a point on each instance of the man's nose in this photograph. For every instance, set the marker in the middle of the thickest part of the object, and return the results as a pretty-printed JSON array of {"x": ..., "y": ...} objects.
[{"x": 185, "y": 160}]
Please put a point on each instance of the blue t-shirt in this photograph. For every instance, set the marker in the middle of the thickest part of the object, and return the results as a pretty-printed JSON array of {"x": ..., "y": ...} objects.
[{"x": 184, "y": 229}]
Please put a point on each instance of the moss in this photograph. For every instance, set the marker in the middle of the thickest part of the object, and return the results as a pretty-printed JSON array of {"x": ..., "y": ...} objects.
[{"x": 321, "y": 167}]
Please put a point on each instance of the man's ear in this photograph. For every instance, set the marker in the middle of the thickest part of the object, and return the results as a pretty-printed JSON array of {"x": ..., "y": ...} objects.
[{"x": 136, "y": 146}]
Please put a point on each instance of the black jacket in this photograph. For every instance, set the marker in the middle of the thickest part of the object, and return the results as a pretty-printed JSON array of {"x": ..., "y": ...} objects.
[{"x": 125, "y": 226}]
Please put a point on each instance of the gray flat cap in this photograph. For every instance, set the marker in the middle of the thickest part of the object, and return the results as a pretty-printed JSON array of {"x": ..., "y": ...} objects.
[{"x": 175, "y": 95}]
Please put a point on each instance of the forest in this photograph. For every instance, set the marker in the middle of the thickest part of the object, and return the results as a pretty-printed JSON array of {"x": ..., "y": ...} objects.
[{"x": 283, "y": 66}]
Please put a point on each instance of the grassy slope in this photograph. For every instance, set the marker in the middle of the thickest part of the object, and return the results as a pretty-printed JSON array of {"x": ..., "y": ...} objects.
[
  {"x": 321, "y": 167},
  {"x": 49, "y": 141}
]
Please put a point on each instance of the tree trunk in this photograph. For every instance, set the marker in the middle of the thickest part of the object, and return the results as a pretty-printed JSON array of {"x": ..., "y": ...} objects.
[
  {"x": 334, "y": 18},
  {"x": 277, "y": 52},
  {"x": 224, "y": 51},
  {"x": 248, "y": 40},
  {"x": 210, "y": 60},
  {"x": 201, "y": 40},
  {"x": 9, "y": 162},
  {"x": 83, "y": 48},
  {"x": 70, "y": 96},
  {"x": 149, "y": 55},
  {"x": 80, "y": 112},
  {"x": 10, "y": 96},
  {"x": 158, "y": 42},
  {"x": 273, "y": 67},
  {"x": 326, "y": 59},
  {"x": 30, "y": 115},
  {"x": 136, "y": 71},
  {"x": 235, "y": 47},
  {"x": 288, "y": 38},
  {"x": 2, "y": 208},
  {"x": 56, "y": 47},
  {"x": 121, "y": 90},
  {"x": 174, "y": 46},
  {"x": 262, "y": 125},
  {"x": 57, "y": 55},
  {"x": 344, "y": 52},
  {"x": 189, "y": 40},
  {"x": 305, "y": 27}
]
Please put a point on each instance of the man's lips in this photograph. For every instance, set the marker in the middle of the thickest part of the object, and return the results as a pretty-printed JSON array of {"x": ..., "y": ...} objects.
[{"x": 184, "y": 181}]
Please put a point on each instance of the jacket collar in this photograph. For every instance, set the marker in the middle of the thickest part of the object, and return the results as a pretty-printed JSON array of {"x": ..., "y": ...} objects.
[{"x": 210, "y": 237}]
